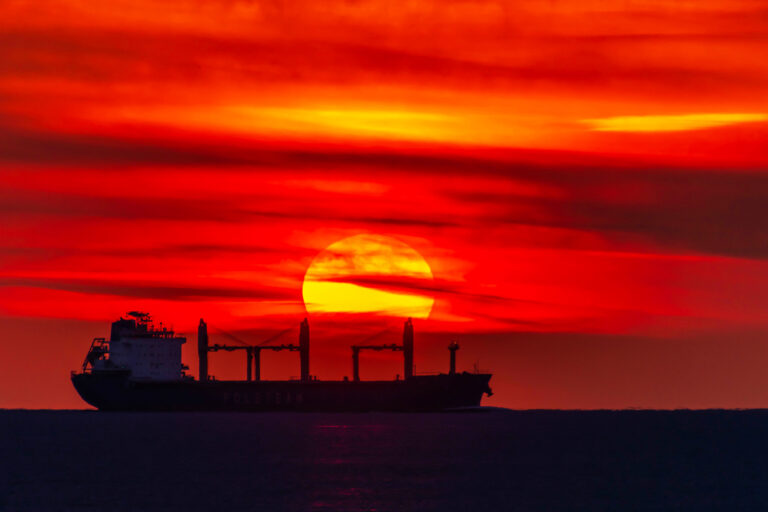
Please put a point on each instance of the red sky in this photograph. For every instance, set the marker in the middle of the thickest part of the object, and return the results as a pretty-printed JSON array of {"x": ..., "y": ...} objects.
[{"x": 587, "y": 181}]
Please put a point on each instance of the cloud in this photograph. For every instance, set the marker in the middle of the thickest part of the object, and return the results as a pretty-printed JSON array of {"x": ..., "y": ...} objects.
[
  {"x": 689, "y": 210},
  {"x": 39, "y": 146},
  {"x": 195, "y": 210},
  {"x": 671, "y": 123},
  {"x": 192, "y": 251},
  {"x": 149, "y": 290},
  {"x": 624, "y": 200}
]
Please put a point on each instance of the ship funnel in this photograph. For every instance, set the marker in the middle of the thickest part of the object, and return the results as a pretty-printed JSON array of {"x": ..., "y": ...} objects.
[
  {"x": 304, "y": 349},
  {"x": 408, "y": 349},
  {"x": 202, "y": 350}
]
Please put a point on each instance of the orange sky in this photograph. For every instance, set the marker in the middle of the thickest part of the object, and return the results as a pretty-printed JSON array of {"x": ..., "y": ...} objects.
[{"x": 586, "y": 181}]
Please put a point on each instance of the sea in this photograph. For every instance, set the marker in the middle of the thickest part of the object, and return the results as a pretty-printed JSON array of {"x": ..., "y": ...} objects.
[{"x": 482, "y": 460}]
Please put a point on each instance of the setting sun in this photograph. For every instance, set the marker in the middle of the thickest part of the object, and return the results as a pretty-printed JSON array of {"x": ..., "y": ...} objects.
[{"x": 334, "y": 280}]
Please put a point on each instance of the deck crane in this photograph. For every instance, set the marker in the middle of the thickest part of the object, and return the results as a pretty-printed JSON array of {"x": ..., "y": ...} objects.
[
  {"x": 253, "y": 352},
  {"x": 406, "y": 348}
]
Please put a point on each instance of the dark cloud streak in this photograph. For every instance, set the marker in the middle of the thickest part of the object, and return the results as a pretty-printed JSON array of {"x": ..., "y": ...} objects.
[
  {"x": 134, "y": 289},
  {"x": 429, "y": 287}
]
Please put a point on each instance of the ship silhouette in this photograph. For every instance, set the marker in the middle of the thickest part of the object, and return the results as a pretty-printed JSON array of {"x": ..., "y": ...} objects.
[{"x": 139, "y": 368}]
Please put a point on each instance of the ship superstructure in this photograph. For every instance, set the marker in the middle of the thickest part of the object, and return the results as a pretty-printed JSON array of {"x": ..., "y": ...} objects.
[
  {"x": 139, "y": 368},
  {"x": 137, "y": 346}
]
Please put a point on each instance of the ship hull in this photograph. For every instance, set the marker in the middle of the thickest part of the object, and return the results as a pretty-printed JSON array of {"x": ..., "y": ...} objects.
[{"x": 112, "y": 390}]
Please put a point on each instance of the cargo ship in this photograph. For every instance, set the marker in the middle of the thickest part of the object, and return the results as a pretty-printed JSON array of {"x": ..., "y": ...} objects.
[{"x": 139, "y": 368}]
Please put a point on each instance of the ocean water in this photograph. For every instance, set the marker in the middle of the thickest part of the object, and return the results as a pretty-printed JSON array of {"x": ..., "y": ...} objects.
[{"x": 482, "y": 461}]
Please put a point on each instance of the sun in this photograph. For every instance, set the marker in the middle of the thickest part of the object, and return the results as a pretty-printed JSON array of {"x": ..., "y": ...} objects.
[{"x": 367, "y": 274}]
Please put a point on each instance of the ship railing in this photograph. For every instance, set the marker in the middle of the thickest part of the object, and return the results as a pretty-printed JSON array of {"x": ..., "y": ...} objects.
[{"x": 474, "y": 371}]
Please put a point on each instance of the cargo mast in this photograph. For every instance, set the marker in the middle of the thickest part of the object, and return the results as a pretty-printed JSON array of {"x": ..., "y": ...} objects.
[
  {"x": 408, "y": 349},
  {"x": 202, "y": 350}
]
